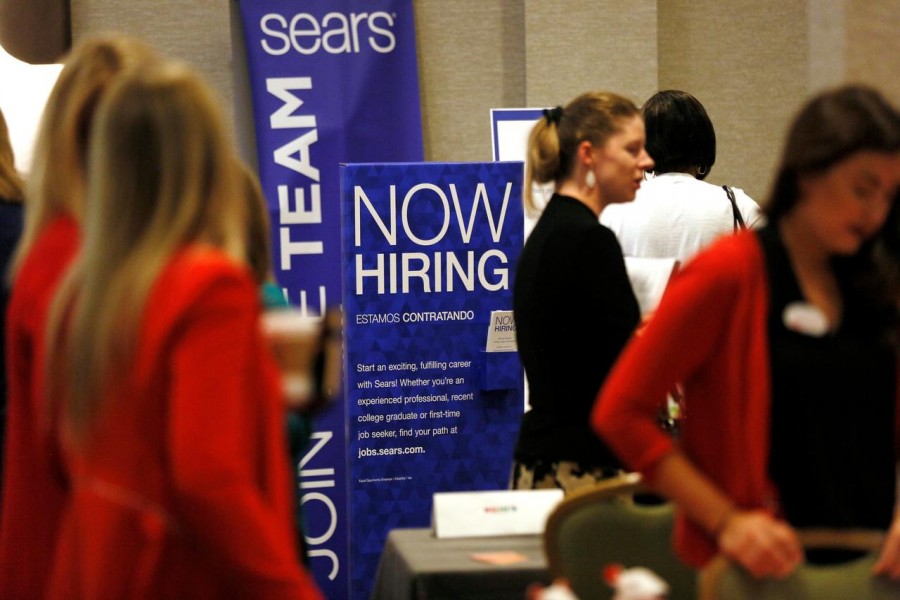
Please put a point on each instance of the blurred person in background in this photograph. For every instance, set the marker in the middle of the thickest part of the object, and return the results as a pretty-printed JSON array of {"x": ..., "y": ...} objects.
[
  {"x": 676, "y": 212},
  {"x": 11, "y": 195},
  {"x": 301, "y": 405},
  {"x": 33, "y": 488},
  {"x": 170, "y": 403}
]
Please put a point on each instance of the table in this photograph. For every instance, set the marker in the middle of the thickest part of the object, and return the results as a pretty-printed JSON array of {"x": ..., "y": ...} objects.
[{"x": 415, "y": 565}]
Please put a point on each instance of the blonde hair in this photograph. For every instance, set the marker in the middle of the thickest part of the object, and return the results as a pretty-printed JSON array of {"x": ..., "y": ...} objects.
[
  {"x": 10, "y": 180},
  {"x": 57, "y": 179},
  {"x": 259, "y": 238},
  {"x": 161, "y": 176},
  {"x": 554, "y": 139}
]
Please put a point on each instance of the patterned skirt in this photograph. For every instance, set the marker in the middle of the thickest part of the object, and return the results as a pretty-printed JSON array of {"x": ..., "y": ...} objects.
[{"x": 565, "y": 475}]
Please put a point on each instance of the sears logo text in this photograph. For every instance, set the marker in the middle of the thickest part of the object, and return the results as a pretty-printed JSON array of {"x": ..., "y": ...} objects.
[{"x": 334, "y": 33}]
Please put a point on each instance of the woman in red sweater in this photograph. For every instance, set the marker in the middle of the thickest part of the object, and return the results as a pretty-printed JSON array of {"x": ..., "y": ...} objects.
[
  {"x": 785, "y": 342},
  {"x": 33, "y": 489},
  {"x": 11, "y": 196},
  {"x": 171, "y": 414}
]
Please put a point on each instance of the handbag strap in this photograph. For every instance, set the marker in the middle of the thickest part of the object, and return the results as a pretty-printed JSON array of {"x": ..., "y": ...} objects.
[{"x": 738, "y": 219}]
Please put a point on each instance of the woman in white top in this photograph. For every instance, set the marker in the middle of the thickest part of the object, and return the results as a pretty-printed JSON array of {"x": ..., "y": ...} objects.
[{"x": 675, "y": 213}]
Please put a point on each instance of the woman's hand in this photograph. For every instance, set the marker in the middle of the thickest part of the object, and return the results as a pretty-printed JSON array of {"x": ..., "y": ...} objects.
[
  {"x": 762, "y": 544},
  {"x": 888, "y": 562}
]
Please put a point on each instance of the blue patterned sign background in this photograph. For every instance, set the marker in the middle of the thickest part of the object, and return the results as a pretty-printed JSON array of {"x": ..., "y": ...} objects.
[{"x": 428, "y": 410}]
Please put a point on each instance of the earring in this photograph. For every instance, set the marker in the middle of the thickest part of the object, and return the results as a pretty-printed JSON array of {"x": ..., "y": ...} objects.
[
  {"x": 590, "y": 180},
  {"x": 701, "y": 170}
]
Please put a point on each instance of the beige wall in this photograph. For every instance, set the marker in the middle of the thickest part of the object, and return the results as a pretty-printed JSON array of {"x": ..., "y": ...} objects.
[
  {"x": 747, "y": 63},
  {"x": 751, "y": 62},
  {"x": 577, "y": 46},
  {"x": 196, "y": 31},
  {"x": 471, "y": 59},
  {"x": 872, "y": 27}
]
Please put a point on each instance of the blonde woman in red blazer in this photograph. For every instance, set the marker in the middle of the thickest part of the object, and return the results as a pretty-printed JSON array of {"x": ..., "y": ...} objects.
[
  {"x": 785, "y": 343},
  {"x": 34, "y": 489},
  {"x": 171, "y": 415}
]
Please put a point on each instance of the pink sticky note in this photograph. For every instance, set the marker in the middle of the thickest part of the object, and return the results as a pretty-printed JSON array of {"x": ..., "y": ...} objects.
[{"x": 503, "y": 557}]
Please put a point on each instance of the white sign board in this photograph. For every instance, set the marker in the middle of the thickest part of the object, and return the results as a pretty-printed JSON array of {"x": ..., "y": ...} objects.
[{"x": 493, "y": 513}]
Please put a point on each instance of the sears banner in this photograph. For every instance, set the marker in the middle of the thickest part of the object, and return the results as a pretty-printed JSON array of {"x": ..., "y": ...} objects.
[
  {"x": 332, "y": 81},
  {"x": 429, "y": 251}
]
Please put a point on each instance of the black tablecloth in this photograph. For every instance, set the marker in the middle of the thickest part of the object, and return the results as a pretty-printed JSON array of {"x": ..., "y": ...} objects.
[{"x": 415, "y": 565}]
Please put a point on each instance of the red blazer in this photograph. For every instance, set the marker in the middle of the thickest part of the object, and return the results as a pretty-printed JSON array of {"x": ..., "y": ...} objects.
[
  {"x": 710, "y": 334},
  {"x": 184, "y": 486},
  {"x": 34, "y": 489}
]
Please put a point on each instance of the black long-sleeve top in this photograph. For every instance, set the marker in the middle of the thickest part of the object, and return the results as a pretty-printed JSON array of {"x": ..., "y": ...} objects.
[{"x": 574, "y": 310}]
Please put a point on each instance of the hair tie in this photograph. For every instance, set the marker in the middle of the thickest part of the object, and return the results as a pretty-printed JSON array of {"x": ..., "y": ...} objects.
[{"x": 553, "y": 115}]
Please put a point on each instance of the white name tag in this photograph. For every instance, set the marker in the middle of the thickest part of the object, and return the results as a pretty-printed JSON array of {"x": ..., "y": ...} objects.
[{"x": 494, "y": 513}]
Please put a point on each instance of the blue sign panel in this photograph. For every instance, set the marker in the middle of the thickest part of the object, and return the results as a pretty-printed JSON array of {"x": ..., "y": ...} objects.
[
  {"x": 332, "y": 81},
  {"x": 428, "y": 252}
]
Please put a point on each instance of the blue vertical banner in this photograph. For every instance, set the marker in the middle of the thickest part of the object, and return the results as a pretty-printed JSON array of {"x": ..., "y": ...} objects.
[
  {"x": 332, "y": 81},
  {"x": 428, "y": 252}
]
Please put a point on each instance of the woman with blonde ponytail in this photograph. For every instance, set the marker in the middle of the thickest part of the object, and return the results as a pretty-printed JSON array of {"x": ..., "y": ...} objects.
[
  {"x": 171, "y": 408},
  {"x": 573, "y": 303},
  {"x": 33, "y": 490}
]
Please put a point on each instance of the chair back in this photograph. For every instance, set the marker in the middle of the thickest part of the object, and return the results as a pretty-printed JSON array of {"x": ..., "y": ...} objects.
[
  {"x": 603, "y": 525},
  {"x": 853, "y": 579}
]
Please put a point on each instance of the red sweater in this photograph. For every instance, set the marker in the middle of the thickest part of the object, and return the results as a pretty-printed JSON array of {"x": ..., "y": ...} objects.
[
  {"x": 33, "y": 488},
  {"x": 710, "y": 334},
  {"x": 184, "y": 484}
]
